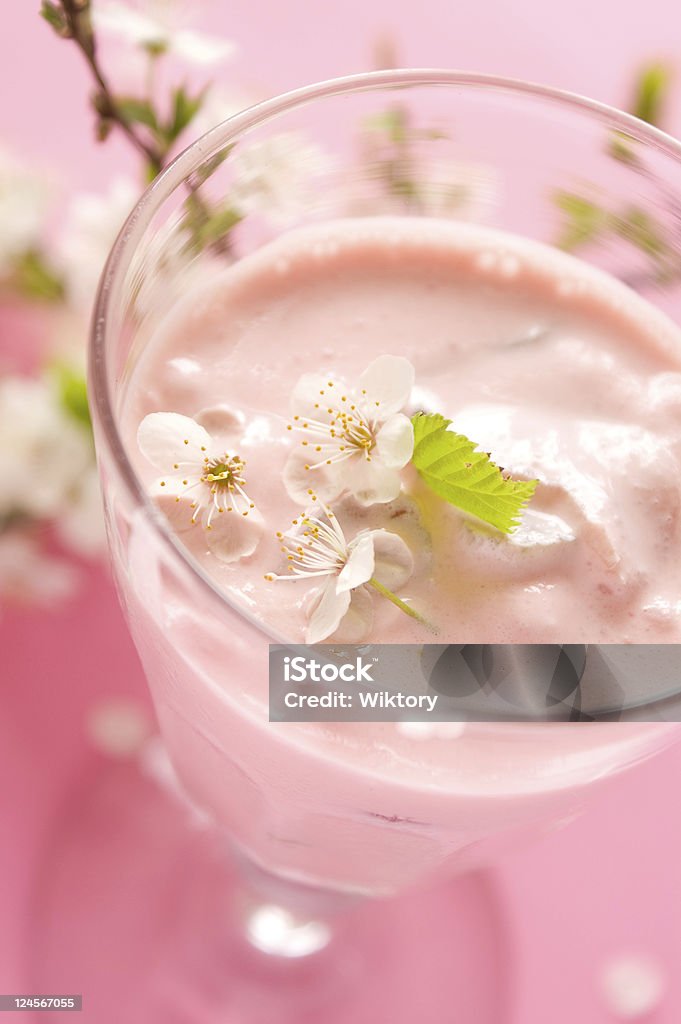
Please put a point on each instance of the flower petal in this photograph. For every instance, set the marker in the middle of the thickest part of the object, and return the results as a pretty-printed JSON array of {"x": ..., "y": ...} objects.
[
  {"x": 356, "y": 624},
  {"x": 327, "y": 613},
  {"x": 393, "y": 561},
  {"x": 312, "y": 396},
  {"x": 133, "y": 26},
  {"x": 395, "y": 441},
  {"x": 370, "y": 482},
  {"x": 359, "y": 567},
  {"x": 325, "y": 482},
  {"x": 388, "y": 380},
  {"x": 232, "y": 536},
  {"x": 176, "y": 503},
  {"x": 161, "y": 437},
  {"x": 200, "y": 48}
]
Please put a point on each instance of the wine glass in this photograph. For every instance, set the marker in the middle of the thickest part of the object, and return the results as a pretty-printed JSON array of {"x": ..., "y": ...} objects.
[{"x": 296, "y": 827}]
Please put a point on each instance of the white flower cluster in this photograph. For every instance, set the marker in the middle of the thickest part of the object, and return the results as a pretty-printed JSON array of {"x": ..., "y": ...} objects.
[
  {"x": 202, "y": 482},
  {"x": 90, "y": 228},
  {"x": 28, "y": 574},
  {"x": 47, "y": 467},
  {"x": 24, "y": 196},
  {"x": 355, "y": 441},
  {"x": 316, "y": 547},
  {"x": 274, "y": 177},
  {"x": 271, "y": 178},
  {"x": 160, "y": 26}
]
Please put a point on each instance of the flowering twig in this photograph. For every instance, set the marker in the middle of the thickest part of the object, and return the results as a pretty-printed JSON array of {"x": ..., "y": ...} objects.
[
  {"x": 586, "y": 220},
  {"x": 71, "y": 20}
]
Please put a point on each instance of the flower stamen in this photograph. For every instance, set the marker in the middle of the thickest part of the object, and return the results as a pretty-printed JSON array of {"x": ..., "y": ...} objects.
[{"x": 360, "y": 438}]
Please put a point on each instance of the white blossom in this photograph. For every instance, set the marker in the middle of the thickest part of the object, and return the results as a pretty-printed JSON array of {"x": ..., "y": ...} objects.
[
  {"x": 633, "y": 986},
  {"x": 23, "y": 201},
  {"x": 160, "y": 26},
  {"x": 80, "y": 524},
  {"x": 274, "y": 177},
  {"x": 354, "y": 439},
  {"x": 118, "y": 726},
  {"x": 218, "y": 105},
  {"x": 47, "y": 464},
  {"x": 28, "y": 573},
  {"x": 201, "y": 482},
  {"x": 44, "y": 453},
  {"x": 316, "y": 548},
  {"x": 90, "y": 229}
]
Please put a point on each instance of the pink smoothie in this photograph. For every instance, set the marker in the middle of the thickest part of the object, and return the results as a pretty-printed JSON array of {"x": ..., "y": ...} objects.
[{"x": 566, "y": 377}]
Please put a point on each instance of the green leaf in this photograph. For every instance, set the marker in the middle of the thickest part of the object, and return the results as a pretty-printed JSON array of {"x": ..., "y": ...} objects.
[
  {"x": 207, "y": 169},
  {"x": 73, "y": 393},
  {"x": 584, "y": 219},
  {"x": 33, "y": 278},
  {"x": 642, "y": 230},
  {"x": 185, "y": 109},
  {"x": 72, "y": 390},
  {"x": 393, "y": 123},
  {"x": 622, "y": 147},
  {"x": 651, "y": 93},
  {"x": 136, "y": 111},
  {"x": 208, "y": 226},
  {"x": 449, "y": 465}
]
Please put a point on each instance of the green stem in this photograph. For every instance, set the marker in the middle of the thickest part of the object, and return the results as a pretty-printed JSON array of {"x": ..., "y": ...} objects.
[{"x": 407, "y": 609}]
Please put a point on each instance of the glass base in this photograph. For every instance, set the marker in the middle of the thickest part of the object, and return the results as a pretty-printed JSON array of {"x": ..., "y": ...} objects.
[{"x": 133, "y": 911}]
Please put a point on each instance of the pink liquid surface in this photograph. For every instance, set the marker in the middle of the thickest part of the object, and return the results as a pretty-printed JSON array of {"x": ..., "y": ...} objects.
[{"x": 563, "y": 375}]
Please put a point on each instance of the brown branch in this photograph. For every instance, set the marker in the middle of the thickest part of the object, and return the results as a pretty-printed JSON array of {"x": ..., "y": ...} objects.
[
  {"x": 79, "y": 29},
  {"x": 71, "y": 19}
]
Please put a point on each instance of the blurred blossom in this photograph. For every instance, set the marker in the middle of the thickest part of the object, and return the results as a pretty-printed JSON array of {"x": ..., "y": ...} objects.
[
  {"x": 273, "y": 176},
  {"x": 81, "y": 522},
  {"x": 28, "y": 573},
  {"x": 45, "y": 455},
  {"x": 23, "y": 202},
  {"x": 633, "y": 986},
  {"x": 159, "y": 26},
  {"x": 47, "y": 464},
  {"x": 91, "y": 226},
  {"x": 118, "y": 726},
  {"x": 218, "y": 105}
]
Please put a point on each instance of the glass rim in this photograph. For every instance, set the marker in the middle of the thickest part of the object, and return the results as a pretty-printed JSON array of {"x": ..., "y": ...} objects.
[{"x": 122, "y": 252}]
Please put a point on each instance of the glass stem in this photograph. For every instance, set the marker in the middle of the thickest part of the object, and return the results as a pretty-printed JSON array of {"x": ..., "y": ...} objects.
[{"x": 283, "y": 918}]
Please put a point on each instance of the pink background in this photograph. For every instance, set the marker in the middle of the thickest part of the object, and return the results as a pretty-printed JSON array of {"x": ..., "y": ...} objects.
[{"x": 609, "y": 884}]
